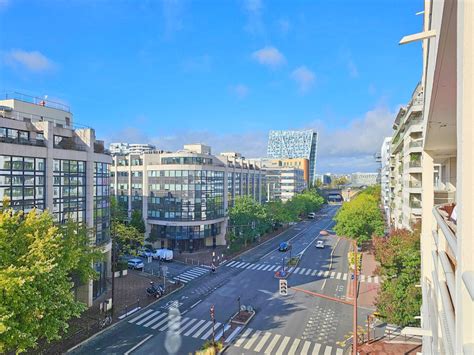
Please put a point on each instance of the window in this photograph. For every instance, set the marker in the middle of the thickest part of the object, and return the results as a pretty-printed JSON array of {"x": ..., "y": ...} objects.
[{"x": 101, "y": 202}]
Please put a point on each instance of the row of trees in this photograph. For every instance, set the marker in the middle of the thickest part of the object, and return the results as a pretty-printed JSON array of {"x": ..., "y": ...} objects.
[
  {"x": 399, "y": 299},
  {"x": 249, "y": 220},
  {"x": 361, "y": 218}
]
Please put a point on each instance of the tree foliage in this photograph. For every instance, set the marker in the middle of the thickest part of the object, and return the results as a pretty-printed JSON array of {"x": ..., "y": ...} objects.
[
  {"x": 129, "y": 240},
  {"x": 399, "y": 299},
  {"x": 38, "y": 262},
  {"x": 361, "y": 218},
  {"x": 137, "y": 221}
]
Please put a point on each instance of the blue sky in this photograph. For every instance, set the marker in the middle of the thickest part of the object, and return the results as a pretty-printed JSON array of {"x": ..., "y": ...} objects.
[{"x": 219, "y": 72}]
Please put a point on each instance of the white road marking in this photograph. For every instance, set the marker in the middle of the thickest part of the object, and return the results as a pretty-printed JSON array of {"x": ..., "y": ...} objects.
[
  {"x": 162, "y": 322},
  {"x": 316, "y": 348},
  {"x": 194, "y": 327},
  {"x": 266, "y": 267},
  {"x": 255, "y": 266},
  {"x": 183, "y": 327},
  {"x": 314, "y": 273},
  {"x": 156, "y": 319},
  {"x": 282, "y": 346},
  {"x": 201, "y": 330},
  {"x": 272, "y": 344},
  {"x": 194, "y": 305},
  {"x": 233, "y": 334},
  {"x": 328, "y": 350},
  {"x": 302, "y": 271},
  {"x": 326, "y": 273},
  {"x": 139, "y": 344},
  {"x": 252, "y": 340},
  {"x": 262, "y": 342},
  {"x": 141, "y": 315},
  {"x": 232, "y": 263},
  {"x": 261, "y": 267},
  {"x": 216, "y": 326},
  {"x": 333, "y": 274},
  {"x": 239, "y": 264},
  {"x": 362, "y": 278},
  {"x": 297, "y": 269},
  {"x": 308, "y": 272},
  {"x": 320, "y": 273},
  {"x": 304, "y": 350},
  {"x": 376, "y": 279},
  {"x": 273, "y": 267},
  {"x": 243, "y": 337},
  {"x": 294, "y": 346},
  {"x": 339, "y": 274},
  {"x": 339, "y": 351},
  {"x": 344, "y": 277},
  {"x": 221, "y": 333}
]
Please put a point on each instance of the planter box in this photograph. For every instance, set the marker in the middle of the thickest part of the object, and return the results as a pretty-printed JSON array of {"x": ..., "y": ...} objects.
[{"x": 242, "y": 317}]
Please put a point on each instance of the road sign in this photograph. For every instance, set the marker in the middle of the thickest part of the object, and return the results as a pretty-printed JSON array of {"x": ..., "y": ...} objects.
[
  {"x": 164, "y": 269},
  {"x": 352, "y": 276},
  {"x": 283, "y": 287}
]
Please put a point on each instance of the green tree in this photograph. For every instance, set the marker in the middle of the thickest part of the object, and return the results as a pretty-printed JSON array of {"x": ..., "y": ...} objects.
[
  {"x": 137, "y": 221},
  {"x": 129, "y": 240},
  {"x": 278, "y": 212},
  {"x": 399, "y": 299},
  {"x": 304, "y": 203},
  {"x": 248, "y": 219},
  {"x": 360, "y": 218},
  {"x": 38, "y": 262}
]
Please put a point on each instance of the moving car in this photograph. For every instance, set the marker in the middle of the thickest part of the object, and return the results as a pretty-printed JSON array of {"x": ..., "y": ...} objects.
[
  {"x": 146, "y": 252},
  {"x": 319, "y": 244},
  {"x": 311, "y": 215},
  {"x": 284, "y": 246},
  {"x": 135, "y": 264}
]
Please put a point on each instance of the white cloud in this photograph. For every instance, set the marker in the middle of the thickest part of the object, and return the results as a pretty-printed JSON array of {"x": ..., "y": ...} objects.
[
  {"x": 304, "y": 77},
  {"x": 253, "y": 9},
  {"x": 269, "y": 56},
  {"x": 353, "y": 71},
  {"x": 239, "y": 90},
  {"x": 33, "y": 61}
]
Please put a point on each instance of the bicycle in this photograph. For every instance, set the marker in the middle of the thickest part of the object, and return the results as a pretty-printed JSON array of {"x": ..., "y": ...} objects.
[{"x": 105, "y": 322}]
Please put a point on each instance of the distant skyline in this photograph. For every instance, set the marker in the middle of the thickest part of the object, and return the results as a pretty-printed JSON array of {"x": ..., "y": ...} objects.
[{"x": 221, "y": 73}]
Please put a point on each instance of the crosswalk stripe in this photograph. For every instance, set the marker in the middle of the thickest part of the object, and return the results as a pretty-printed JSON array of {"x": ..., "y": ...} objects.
[
  {"x": 328, "y": 350},
  {"x": 233, "y": 334},
  {"x": 185, "y": 277},
  {"x": 274, "y": 268},
  {"x": 314, "y": 273},
  {"x": 255, "y": 266},
  {"x": 266, "y": 267},
  {"x": 167, "y": 319},
  {"x": 362, "y": 278},
  {"x": 294, "y": 346},
  {"x": 302, "y": 271},
  {"x": 316, "y": 348},
  {"x": 143, "y": 320},
  {"x": 197, "y": 271},
  {"x": 262, "y": 342},
  {"x": 244, "y": 265},
  {"x": 194, "y": 327},
  {"x": 156, "y": 319},
  {"x": 272, "y": 343},
  {"x": 183, "y": 281},
  {"x": 183, "y": 327},
  {"x": 249, "y": 266},
  {"x": 140, "y": 315},
  {"x": 174, "y": 323},
  {"x": 216, "y": 326},
  {"x": 232, "y": 263},
  {"x": 220, "y": 333},
  {"x": 261, "y": 267},
  {"x": 376, "y": 279},
  {"x": 369, "y": 279},
  {"x": 201, "y": 330},
  {"x": 339, "y": 274},
  {"x": 308, "y": 272},
  {"x": 282, "y": 346},
  {"x": 339, "y": 351},
  {"x": 291, "y": 269},
  {"x": 344, "y": 276},
  {"x": 305, "y": 349},
  {"x": 333, "y": 274},
  {"x": 320, "y": 273},
  {"x": 297, "y": 269},
  {"x": 252, "y": 340},
  {"x": 243, "y": 337},
  {"x": 239, "y": 264},
  {"x": 326, "y": 273}
]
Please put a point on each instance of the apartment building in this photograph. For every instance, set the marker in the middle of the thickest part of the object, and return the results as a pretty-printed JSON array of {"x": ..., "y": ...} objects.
[
  {"x": 385, "y": 175},
  {"x": 447, "y": 243},
  {"x": 406, "y": 171},
  {"x": 49, "y": 164},
  {"x": 295, "y": 163},
  {"x": 184, "y": 196},
  {"x": 364, "y": 179},
  {"x": 284, "y": 183},
  {"x": 130, "y": 148},
  {"x": 295, "y": 144}
]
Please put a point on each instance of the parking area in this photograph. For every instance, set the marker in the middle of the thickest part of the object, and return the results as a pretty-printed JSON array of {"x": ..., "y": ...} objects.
[{"x": 157, "y": 267}]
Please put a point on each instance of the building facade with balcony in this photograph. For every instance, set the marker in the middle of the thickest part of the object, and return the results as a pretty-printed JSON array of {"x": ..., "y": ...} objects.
[
  {"x": 295, "y": 144},
  {"x": 385, "y": 175},
  {"x": 184, "y": 196},
  {"x": 130, "y": 148},
  {"x": 447, "y": 243},
  {"x": 48, "y": 164},
  {"x": 405, "y": 163},
  {"x": 364, "y": 179},
  {"x": 284, "y": 183}
]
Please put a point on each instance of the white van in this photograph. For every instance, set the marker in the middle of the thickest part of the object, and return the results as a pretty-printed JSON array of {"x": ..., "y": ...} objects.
[
  {"x": 311, "y": 215},
  {"x": 163, "y": 254}
]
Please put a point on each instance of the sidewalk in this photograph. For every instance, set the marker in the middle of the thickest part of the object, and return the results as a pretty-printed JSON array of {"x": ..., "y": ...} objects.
[
  {"x": 383, "y": 346},
  {"x": 368, "y": 291}
]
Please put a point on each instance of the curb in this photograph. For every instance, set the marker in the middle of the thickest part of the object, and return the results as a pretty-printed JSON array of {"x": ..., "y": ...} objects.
[{"x": 119, "y": 321}]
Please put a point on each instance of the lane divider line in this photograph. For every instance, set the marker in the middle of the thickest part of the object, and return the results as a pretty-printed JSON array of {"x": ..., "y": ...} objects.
[{"x": 138, "y": 345}]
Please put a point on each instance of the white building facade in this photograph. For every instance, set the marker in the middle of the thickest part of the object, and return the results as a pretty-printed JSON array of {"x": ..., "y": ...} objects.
[{"x": 385, "y": 175}]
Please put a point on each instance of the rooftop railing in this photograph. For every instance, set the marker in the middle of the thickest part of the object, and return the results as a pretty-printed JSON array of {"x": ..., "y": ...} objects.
[{"x": 35, "y": 100}]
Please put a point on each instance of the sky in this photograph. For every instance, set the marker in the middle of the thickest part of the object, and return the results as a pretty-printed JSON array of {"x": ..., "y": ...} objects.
[{"x": 223, "y": 73}]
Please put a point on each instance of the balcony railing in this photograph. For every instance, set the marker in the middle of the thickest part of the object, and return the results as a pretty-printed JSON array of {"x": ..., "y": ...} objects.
[
  {"x": 416, "y": 144},
  {"x": 69, "y": 144},
  {"x": 415, "y": 164},
  {"x": 36, "y": 100},
  {"x": 415, "y": 184},
  {"x": 33, "y": 142},
  {"x": 415, "y": 204}
]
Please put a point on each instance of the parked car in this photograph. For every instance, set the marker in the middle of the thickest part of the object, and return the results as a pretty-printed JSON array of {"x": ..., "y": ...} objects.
[
  {"x": 284, "y": 246},
  {"x": 163, "y": 254},
  {"x": 136, "y": 264},
  {"x": 146, "y": 252},
  {"x": 319, "y": 244},
  {"x": 311, "y": 215}
]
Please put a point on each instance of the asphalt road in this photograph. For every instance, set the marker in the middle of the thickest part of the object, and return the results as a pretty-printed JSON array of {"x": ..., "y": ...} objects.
[{"x": 294, "y": 324}]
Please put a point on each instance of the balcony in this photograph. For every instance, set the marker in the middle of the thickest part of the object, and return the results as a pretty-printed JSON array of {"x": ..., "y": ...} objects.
[
  {"x": 415, "y": 203},
  {"x": 415, "y": 164},
  {"x": 23, "y": 141},
  {"x": 415, "y": 184},
  {"x": 416, "y": 144},
  {"x": 68, "y": 144},
  {"x": 99, "y": 148}
]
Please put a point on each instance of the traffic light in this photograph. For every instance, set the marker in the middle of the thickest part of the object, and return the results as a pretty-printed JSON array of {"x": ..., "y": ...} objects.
[
  {"x": 212, "y": 312},
  {"x": 283, "y": 287}
]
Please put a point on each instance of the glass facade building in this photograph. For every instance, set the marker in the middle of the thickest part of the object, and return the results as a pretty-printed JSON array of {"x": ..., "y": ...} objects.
[{"x": 295, "y": 144}]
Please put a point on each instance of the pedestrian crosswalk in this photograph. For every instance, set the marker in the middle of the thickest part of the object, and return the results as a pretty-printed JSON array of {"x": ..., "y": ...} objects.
[
  {"x": 191, "y": 274},
  {"x": 264, "y": 342},
  {"x": 302, "y": 271}
]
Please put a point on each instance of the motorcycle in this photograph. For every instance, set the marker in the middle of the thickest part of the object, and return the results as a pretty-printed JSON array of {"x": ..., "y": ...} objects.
[{"x": 155, "y": 291}]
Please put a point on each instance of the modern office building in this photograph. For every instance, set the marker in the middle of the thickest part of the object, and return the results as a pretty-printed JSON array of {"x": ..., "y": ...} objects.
[
  {"x": 447, "y": 243},
  {"x": 364, "y": 179},
  {"x": 130, "y": 148},
  {"x": 295, "y": 144},
  {"x": 295, "y": 163},
  {"x": 184, "y": 196},
  {"x": 327, "y": 179},
  {"x": 283, "y": 183},
  {"x": 385, "y": 175},
  {"x": 46, "y": 163},
  {"x": 406, "y": 172}
]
